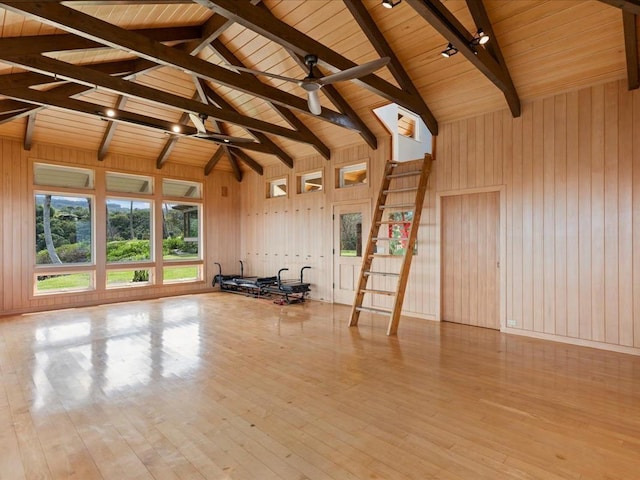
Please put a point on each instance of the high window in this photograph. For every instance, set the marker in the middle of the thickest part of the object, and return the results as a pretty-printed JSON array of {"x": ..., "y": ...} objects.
[{"x": 351, "y": 175}]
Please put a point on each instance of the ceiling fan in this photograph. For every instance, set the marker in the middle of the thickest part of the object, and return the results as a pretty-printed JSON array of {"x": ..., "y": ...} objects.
[
  {"x": 312, "y": 84},
  {"x": 198, "y": 122}
]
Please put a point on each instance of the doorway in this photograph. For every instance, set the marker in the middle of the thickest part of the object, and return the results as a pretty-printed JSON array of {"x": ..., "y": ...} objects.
[
  {"x": 351, "y": 225},
  {"x": 470, "y": 266}
]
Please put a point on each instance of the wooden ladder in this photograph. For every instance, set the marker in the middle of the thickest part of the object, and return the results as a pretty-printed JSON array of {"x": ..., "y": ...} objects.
[{"x": 419, "y": 169}]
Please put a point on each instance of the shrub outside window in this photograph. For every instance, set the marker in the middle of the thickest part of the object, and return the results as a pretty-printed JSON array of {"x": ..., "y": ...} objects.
[{"x": 128, "y": 230}]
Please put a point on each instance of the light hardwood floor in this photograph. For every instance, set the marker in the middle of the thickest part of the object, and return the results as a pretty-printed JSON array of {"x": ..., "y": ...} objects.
[{"x": 217, "y": 386}]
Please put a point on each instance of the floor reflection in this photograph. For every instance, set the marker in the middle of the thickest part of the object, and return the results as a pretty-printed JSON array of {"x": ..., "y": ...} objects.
[{"x": 117, "y": 351}]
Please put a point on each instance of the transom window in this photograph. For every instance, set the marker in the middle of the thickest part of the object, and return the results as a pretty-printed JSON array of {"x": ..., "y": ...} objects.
[
  {"x": 277, "y": 188},
  {"x": 352, "y": 175},
  {"x": 311, "y": 182}
]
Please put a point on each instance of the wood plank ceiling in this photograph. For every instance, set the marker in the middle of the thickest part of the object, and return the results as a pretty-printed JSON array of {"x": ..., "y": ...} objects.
[{"x": 64, "y": 64}]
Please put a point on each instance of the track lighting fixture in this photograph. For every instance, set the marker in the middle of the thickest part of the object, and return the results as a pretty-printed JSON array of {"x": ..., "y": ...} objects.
[
  {"x": 110, "y": 112},
  {"x": 449, "y": 51},
  {"x": 390, "y": 3},
  {"x": 176, "y": 128},
  {"x": 480, "y": 38}
]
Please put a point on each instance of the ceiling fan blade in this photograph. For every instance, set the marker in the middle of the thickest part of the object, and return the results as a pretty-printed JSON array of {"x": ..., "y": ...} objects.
[
  {"x": 221, "y": 138},
  {"x": 313, "y": 100},
  {"x": 266, "y": 74},
  {"x": 197, "y": 122},
  {"x": 354, "y": 72}
]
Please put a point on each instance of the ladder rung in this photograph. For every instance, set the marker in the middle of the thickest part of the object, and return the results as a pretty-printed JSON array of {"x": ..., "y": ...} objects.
[
  {"x": 383, "y": 274},
  {"x": 399, "y": 190},
  {"x": 377, "y": 292},
  {"x": 384, "y": 255},
  {"x": 388, "y": 239},
  {"x": 382, "y": 311},
  {"x": 404, "y": 174},
  {"x": 393, "y": 222},
  {"x": 398, "y": 205}
]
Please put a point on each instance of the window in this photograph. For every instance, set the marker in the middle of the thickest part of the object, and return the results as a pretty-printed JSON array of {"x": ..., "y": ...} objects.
[
  {"x": 63, "y": 229},
  {"x": 129, "y": 278},
  {"x": 187, "y": 273},
  {"x": 64, "y": 243},
  {"x": 351, "y": 235},
  {"x": 180, "y": 231},
  {"x": 277, "y": 188},
  {"x": 57, "y": 176},
  {"x": 352, "y": 175},
  {"x": 310, "y": 182},
  {"x": 128, "y": 230},
  {"x": 118, "y": 182},
  {"x": 398, "y": 231},
  {"x": 182, "y": 189},
  {"x": 407, "y": 124}
]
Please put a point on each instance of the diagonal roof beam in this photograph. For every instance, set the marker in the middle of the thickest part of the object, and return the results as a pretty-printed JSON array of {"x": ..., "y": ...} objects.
[
  {"x": 68, "y": 42},
  {"x": 629, "y": 22},
  {"x": 250, "y": 162},
  {"x": 205, "y": 94},
  {"x": 94, "y": 78},
  {"x": 110, "y": 130},
  {"x": 631, "y": 6},
  {"x": 361, "y": 14},
  {"x": 208, "y": 94},
  {"x": 79, "y": 106},
  {"x": 270, "y": 27},
  {"x": 60, "y": 16},
  {"x": 237, "y": 172},
  {"x": 213, "y": 161},
  {"x": 170, "y": 143},
  {"x": 440, "y": 18},
  {"x": 23, "y": 109},
  {"x": 223, "y": 52}
]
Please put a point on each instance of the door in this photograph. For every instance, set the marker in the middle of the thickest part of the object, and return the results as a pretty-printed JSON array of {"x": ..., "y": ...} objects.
[
  {"x": 470, "y": 259},
  {"x": 350, "y": 233}
]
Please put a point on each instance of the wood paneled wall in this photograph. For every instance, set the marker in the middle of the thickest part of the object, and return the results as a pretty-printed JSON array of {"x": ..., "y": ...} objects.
[
  {"x": 221, "y": 235},
  {"x": 570, "y": 166}
]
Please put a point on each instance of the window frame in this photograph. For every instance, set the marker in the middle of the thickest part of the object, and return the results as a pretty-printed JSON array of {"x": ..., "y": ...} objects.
[
  {"x": 348, "y": 168},
  {"x": 276, "y": 181},
  {"x": 301, "y": 180}
]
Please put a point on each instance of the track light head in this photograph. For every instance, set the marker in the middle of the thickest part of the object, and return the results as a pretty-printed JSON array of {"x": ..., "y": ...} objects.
[
  {"x": 390, "y": 3},
  {"x": 480, "y": 38},
  {"x": 449, "y": 51}
]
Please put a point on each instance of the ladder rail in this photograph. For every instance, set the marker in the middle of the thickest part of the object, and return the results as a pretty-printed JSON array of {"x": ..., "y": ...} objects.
[{"x": 370, "y": 254}]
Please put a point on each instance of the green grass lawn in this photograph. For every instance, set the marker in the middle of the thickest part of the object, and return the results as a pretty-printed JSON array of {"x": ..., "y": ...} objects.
[{"x": 82, "y": 281}]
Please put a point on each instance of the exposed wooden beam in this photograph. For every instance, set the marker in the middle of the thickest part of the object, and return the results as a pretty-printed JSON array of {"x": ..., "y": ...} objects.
[
  {"x": 23, "y": 79},
  {"x": 91, "y": 77},
  {"x": 440, "y": 18},
  {"x": 30, "y": 45},
  {"x": 166, "y": 151},
  {"x": 629, "y": 22},
  {"x": 60, "y": 16},
  {"x": 237, "y": 171},
  {"x": 361, "y": 14},
  {"x": 110, "y": 130},
  {"x": 223, "y": 52},
  {"x": 213, "y": 96},
  {"x": 213, "y": 161},
  {"x": 631, "y": 6},
  {"x": 277, "y": 31},
  {"x": 28, "y": 131},
  {"x": 250, "y": 162}
]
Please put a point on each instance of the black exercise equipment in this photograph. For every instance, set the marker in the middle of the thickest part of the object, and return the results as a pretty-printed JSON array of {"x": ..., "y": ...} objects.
[{"x": 291, "y": 291}]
